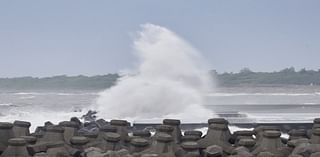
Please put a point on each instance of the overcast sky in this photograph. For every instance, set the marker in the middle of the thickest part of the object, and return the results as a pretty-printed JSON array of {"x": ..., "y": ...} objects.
[{"x": 44, "y": 38}]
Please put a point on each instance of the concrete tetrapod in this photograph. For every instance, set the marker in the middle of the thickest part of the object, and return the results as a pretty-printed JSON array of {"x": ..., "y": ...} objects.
[
  {"x": 79, "y": 142},
  {"x": 5, "y": 134},
  {"x": 315, "y": 137},
  {"x": 297, "y": 133},
  {"x": 248, "y": 143},
  {"x": 175, "y": 123},
  {"x": 270, "y": 142},
  {"x": 105, "y": 129},
  {"x": 57, "y": 149},
  {"x": 191, "y": 149},
  {"x": 163, "y": 146},
  {"x": 21, "y": 128},
  {"x": 138, "y": 145},
  {"x": 217, "y": 134},
  {"x": 17, "y": 148},
  {"x": 142, "y": 134},
  {"x": 112, "y": 142},
  {"x": 122, "y": 130},
  {"x": 213, "y": 151},
  {"x": 53, "y": 133},
  {"x": 70, "y": 130},
  {"x": 191, "y": 135}
]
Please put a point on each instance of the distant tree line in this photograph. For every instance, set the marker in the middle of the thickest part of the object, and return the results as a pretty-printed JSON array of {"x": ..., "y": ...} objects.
[
  {"x": 60, "y": 82},
  {"x": 287, "y": 76}
]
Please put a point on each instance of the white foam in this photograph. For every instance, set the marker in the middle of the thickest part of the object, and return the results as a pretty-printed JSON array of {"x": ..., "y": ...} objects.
[
  {"x": 26, "y": 93},
  {"x": 38, "y": 117},
  {"x": 5, "y": 104},
  {"x": 71, "y": 94},
  {"x": 54, "y": 93},
  {"x": 27, "y": 97},
  {"x": 232, "y": 129},
  {"x": 310, "y": 103},
  {"x": 170, "y": 81},
  {"x": 259, "y": 94},
  {"x": 284, "y": 117}
]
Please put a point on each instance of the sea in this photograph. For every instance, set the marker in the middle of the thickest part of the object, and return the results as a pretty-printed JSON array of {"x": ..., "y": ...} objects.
[{"x": 243, "y": 104}]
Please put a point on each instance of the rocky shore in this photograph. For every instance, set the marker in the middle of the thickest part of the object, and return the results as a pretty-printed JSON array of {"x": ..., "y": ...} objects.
[{"x": 117, "y": 139}]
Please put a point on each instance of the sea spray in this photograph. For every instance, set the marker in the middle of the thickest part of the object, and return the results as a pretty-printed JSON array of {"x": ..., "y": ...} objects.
[
  {"x": 38, "y": 116},
  {"x": 170, "y": 81}
]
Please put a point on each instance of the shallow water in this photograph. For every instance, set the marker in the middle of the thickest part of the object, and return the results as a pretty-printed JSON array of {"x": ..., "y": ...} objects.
[
  {"x": 285, "y": 104},
  {"x": 238, "y": 104}
]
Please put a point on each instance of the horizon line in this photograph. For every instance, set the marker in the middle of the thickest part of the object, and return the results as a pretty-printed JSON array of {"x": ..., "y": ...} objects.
[{"x": 122, "y": 74}]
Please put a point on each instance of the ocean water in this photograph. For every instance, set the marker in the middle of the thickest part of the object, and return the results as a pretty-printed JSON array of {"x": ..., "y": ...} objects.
[
  {"x": 39, "y": 106},
  {"x": 169, "y": 80},
  {"x": 284, "y": 104},
  {"x": 238, "y": 104}
]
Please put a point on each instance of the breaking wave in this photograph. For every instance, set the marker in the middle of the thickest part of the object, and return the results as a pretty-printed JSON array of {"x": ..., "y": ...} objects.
[{"x": 170, "y": 81}]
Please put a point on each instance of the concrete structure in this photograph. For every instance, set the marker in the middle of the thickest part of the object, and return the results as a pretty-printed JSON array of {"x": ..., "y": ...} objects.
[
  {"x": 17, "y": 148},
  {"x": 21, "y": 128},
  {"x": 5, "y": 134}
]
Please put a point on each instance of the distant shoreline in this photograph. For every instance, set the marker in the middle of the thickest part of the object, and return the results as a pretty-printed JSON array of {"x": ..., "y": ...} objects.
[
  {"x": 245, "y": 78},
  {"x": 288, "y": 76}
]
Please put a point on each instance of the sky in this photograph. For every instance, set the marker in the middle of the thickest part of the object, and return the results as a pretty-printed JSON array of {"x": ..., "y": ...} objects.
[{"x": 72, "y": 37}]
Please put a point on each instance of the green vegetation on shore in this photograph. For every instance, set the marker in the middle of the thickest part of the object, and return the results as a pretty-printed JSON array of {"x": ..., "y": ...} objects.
[
  {"x": 288, "y": 76},
  {"x": 60, "y": 82}
]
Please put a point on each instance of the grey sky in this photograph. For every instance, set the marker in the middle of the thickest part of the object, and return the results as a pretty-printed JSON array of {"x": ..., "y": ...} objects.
[{"x": 44, "y": 38}]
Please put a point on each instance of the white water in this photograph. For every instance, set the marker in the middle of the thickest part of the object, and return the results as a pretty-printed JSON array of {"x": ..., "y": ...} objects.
[{"x": 170, "y": 81}]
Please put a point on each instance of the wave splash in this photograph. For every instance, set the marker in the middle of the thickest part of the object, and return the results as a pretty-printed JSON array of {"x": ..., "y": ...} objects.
[{"x": 170, "y": 81}]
